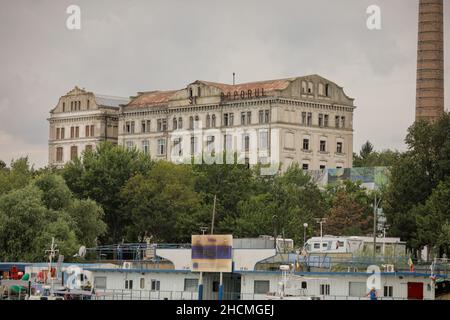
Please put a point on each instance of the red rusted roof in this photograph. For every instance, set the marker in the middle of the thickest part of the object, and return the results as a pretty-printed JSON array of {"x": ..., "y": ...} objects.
[
  {"x": 268, "y": 85},
  {"x": 152, "y": 98},
  {"x": 155, "y": 98}
]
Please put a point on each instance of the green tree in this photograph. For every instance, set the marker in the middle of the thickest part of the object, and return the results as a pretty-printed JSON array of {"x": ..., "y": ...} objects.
[
  {"x": 18, "y": 176},
  {"x": 26, "y": 226},
  {"x": 414, "y": 177},
  {"x": 101, "y": 176},
  {"x": 162, "y": 204}
]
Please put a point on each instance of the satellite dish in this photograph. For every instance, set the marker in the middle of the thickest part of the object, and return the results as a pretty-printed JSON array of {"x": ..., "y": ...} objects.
[{"x": 82, "y": 251}]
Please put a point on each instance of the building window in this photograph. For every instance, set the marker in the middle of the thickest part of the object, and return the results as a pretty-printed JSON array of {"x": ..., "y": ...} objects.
[
  {"x": 388, "y": 291},
  {"x": 72, "y": 132},
  {"x": 190, "y": 285},
  {"x": 213, "y": 121},
  {"x": 263, "y": 140},
  {"x": 64, "y": 107},
  {"x": 305, "y": 144},
  {"x": 339, "y": 147},
  {"x": 77, "y": 132},
  {"x": 130, "y": 145},
  {"x": 343, "y": 122},
  {"x": 310, "y": 87},
  {"x": 228, "y": 119},
  {"x": 88, "y": 104},
  {"x": 309, "y": 119},
  {"x": 323, "y": 146},
  {"x": 264, "y": 116},
  {"x": 325, "y": 289},
  {"x": 243, "y": 114},
  {"x": 73, "y": 152},
  {"x": 88, "y": 148},
  {"x": 161, "y": 146},
  {"x": 162, "y": 125},
  {"x": 303, "y": 118},
  {"x": 328, "y": 90},
  {"x": 191, "y": 122},
  {"x": 143, "y": 126},
  {"x": 249, "y": 117},
  {"x": 325, "y": 120},
  {"x": 129, "y": 284},
  {"x": 59, "y": 154},
  {"x": 194, "y": 145},
  {"x": 196, "y": 122},
  {"x": 87, "y": 129},
  {"x": 145, "y": 147},
  {"x": 62, "y": 133},
  {"x": 261, "y": 286},
  {"x": 174, "y": 124},
  {"x": 322, "y": 167},
  {"x": 228, "y": 142},
  {"x": 58, "y": 133},
  {"x": 246, "y": 142},
  {"x": 305, "y": 166},
  {"x": 304, "y": 87},
  {"x": 180, "y": 123},
  {"x": 320, "y": 120},
  {"x": 210, "y": 144},
  {"x": 178, "y": 151},
  {"x": 208, "y": 121},
  {"x": 336, "y": 121},
  {"x": 155, "y": 285}
]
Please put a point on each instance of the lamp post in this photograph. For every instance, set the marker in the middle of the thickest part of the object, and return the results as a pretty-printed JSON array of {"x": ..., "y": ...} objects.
[
  {"x": 305, "y": 225},
  {"x": 274, "y": 217}
]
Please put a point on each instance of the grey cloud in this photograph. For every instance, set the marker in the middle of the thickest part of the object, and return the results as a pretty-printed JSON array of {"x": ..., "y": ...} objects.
[{"x": 130, "y": 46}]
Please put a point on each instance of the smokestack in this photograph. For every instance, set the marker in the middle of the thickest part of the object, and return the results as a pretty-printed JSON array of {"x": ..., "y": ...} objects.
[{"x": 430, "y": 61}]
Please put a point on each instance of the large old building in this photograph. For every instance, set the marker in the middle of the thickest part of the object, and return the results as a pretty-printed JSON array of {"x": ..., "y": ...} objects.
[
  {"x": 80, "y": 121},
  {"x": 306, "y": 120}
]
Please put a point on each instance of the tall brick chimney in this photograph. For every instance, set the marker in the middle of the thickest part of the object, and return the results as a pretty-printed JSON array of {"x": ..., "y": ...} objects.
[{"x": 430, "y": 61}]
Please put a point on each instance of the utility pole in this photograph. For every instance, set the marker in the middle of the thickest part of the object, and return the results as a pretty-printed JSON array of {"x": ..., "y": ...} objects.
[
  {"x": 213, "y": 215},
  {"x": 375, "y": 211}
]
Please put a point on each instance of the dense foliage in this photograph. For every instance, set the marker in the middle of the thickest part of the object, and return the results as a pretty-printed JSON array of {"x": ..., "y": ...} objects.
[{"x": 114, "y": 195}]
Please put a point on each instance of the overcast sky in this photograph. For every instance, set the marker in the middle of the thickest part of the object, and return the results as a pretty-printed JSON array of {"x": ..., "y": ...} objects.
[{"x": 129, "y": 46}]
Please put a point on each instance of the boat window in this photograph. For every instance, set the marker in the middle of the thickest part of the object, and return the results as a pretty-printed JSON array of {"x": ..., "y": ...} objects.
[
  {"x": 324, "y": 245},
  {"x": 304, "y": 285},
  {"x": 340, "y": 243},
  {"x": 316, "y": 245}
]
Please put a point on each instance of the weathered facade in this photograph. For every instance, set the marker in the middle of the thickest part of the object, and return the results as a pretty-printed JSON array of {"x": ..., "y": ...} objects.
[
  {"x": 80, "y": 120},
  {"x": 305, "y": 120}
]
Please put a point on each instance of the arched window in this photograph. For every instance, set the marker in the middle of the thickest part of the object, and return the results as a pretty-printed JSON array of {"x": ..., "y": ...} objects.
[
  {"x": 328, "y": 90},
  {"x": 59, "y": 154},
  {"x": 197, "y": 122},
  {"x": 198, "y": 91},
  {"x": 180, "y": 123},
  {"x": 208, "y": 120},
  {"x": 213, "y": 121},
  {"x": 73, "y": 152},
  {"x": 175, "y": 124},
  {"x": 191, "y": 122}
]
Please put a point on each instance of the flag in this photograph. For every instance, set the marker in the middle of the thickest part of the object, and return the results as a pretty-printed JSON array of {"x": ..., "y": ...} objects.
[{"x": 411, "y": 265}]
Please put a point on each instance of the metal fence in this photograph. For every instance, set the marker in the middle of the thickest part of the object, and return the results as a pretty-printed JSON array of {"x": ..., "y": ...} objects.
[{"x": 123, "y": 294}]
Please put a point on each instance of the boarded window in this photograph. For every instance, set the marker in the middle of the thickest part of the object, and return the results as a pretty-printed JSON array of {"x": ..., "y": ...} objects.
[
  {"x": 100, "y": 282},
  {"x": 190, "y": 285},
  {"x": 357, "y": 289},
  {"x": 261, "y": 286}
]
